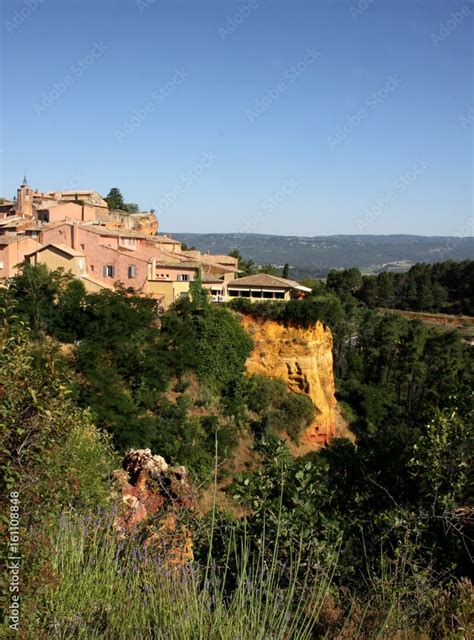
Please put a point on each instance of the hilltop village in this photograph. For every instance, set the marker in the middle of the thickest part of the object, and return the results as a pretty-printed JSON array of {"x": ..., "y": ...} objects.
[{"x": 105, "y": 248}]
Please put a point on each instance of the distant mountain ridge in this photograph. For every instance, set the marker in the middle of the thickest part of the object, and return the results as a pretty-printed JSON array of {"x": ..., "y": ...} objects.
[{"x": 316, "y": 255}]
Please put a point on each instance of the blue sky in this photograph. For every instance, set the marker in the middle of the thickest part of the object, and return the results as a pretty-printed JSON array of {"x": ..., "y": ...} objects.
[{"x": 265, "y": 116}]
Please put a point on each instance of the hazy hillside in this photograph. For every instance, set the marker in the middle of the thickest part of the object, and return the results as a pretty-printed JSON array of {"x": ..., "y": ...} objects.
[{"x": 318, "y": 254}]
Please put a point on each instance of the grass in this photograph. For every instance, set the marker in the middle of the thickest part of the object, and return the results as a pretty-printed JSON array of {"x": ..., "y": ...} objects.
[{"x": 110, "y": 588}]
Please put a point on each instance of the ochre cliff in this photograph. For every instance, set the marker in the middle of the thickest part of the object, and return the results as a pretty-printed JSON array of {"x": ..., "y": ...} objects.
[
  {"x": 145, "y": 223},
  {"x": 302, "y": 357}
]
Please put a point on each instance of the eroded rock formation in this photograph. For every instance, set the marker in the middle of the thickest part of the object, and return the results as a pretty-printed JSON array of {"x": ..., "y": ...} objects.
[
  {"x": 153, "y": 494},
  {"x": 146, "y": 223},
  {"x": 303, "y": 359}
]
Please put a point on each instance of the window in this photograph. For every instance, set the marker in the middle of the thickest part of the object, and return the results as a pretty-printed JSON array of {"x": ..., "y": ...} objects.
[
  {"x": 83, "y": 246},
  {"x": 1, "y": 265},
  {"x": 279, "y": 295},
  {"x": 183, "y": 277},
  {"x": 109, "y": 271},
  {"x": 132, "y": 271},
  {"x": 233, "y": 293},
  {"x": 92, "y": 267}
]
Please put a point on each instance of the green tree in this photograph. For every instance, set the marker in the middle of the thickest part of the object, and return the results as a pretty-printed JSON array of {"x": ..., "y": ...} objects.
[
  {"x": 248, "y": 267},
  {"x": 36, "y": 291},
  {"x": 199, "y": 296},
  {"x": 114, "y": 199},
  {"x": 209, "y": 341},
  {"x": 386, "y": 289},
  {"x": 69, "y": 318},
  {"x": 347, "y": 281},
  {"x": 316, "y": 285},
  {"x": 369, "y": 292}
]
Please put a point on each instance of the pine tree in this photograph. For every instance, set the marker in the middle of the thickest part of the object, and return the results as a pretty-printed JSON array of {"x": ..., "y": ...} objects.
[{"x": 115, "y": 199}]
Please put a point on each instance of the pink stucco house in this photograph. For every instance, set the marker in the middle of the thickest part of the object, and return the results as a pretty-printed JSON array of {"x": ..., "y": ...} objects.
[
  {"x": 59, "y": 211},
  {"x": 125, "y": 257},
  {"x": 13, "y": 250}
]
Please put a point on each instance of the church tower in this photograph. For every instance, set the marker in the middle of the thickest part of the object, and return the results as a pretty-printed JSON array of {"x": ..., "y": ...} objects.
[{"x": 24, "y": 199}]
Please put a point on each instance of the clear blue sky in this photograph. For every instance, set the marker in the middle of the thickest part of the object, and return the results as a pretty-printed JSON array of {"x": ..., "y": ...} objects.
[{"x": 283, "y": 117}]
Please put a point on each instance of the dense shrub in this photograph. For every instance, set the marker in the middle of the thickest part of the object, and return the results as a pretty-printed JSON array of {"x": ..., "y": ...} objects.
[
  {"x": 51, "y": 454},
  {"x": 326, "y": 308},
  {"x": 125, "y": 357},
  {"x": 208, "y": 340},
  {"x": 406, "y": 490},
  {"x": 46, "y": 440},
  {"x": 278, "y": 408}
]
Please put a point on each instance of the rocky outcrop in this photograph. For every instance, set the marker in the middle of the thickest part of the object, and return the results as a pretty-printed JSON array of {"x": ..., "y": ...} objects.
[
  {"x": 153, "y": 495},
  {"x": 146, "y": 223},
  {"x": 302, "y": 357}
]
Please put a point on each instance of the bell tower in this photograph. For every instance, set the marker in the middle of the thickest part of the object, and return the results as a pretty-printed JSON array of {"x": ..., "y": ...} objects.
[{"x": 24, "y": 199}]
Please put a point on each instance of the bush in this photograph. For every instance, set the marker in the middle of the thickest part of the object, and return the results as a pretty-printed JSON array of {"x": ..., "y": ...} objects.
[
  {"x": 51, "y": 454},
  {"x": 209, "y": 341},
  {"x": 279, "y": 408}
]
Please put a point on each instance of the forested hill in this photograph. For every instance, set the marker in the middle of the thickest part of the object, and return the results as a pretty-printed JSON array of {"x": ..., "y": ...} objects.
[{"x": 318, "y": 254}]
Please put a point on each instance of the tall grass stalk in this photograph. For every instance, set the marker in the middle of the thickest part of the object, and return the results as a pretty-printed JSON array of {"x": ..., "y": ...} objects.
[{"x": 111, "y": 588}]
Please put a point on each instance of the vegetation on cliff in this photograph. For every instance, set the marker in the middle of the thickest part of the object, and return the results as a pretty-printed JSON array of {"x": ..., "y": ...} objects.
[
  {"x": 360, "y": 541},
  {"x": 114, "y": 200}
]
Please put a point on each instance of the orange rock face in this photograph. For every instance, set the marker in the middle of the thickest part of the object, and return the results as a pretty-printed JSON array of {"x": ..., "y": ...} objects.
[
  {"x": 146, "y": 224},
  {"x": 142, "y": 223},
  {"x": 153, "y": 493},
  {"x": 303, "y": 359}
]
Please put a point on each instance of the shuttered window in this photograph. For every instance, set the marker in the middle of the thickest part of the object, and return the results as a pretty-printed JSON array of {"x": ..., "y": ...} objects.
[{"x": 109, "y": 271}]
